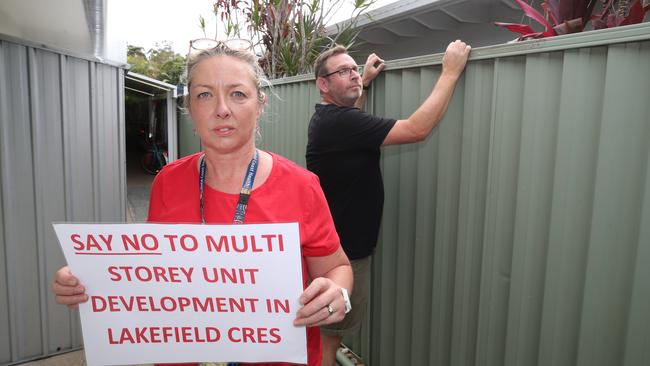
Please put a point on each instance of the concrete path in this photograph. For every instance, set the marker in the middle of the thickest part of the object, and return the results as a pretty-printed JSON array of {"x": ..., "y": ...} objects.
[{"x": 75, "y": 358}]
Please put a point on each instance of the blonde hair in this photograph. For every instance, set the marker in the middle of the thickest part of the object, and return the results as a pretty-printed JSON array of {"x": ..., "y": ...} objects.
[{"x": 259, "y": 79}]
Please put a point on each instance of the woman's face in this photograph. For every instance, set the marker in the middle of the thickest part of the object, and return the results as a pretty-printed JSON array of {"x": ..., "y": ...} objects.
[{"x": 224, "y": 104}]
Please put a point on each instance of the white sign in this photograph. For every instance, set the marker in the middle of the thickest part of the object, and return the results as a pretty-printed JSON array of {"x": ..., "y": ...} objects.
[{"x": 187, "y": 293}]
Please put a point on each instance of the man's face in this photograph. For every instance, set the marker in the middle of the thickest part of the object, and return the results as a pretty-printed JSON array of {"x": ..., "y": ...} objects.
[{"x": 342, "y": 90}]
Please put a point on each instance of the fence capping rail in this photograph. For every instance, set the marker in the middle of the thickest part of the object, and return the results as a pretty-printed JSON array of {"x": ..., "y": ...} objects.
[{"x": 630, "y": 33}]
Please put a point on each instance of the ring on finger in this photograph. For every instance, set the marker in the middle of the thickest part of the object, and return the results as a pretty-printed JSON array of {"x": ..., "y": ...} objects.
[{"x": 330, "y": 309}]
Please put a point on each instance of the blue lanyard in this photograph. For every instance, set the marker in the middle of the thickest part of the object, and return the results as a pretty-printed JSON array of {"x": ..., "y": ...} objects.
[{"x": 244, "y": 194}]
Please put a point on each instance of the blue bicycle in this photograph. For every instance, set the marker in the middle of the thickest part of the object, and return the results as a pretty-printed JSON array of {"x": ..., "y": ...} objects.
[{"x": 154, "y": 158}]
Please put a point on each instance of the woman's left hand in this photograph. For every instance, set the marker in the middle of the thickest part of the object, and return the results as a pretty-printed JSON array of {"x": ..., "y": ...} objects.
[{"x": 323, "y": 304}]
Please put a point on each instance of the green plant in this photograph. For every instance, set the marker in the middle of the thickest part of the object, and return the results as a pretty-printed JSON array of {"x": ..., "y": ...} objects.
[
  {"x": 570, "y": 16},
  {"x": 288, "y": 34},
  {"x": 160, "y": 63}
]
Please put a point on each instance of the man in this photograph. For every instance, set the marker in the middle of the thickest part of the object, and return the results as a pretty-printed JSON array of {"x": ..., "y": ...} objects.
[{"x": 343, "y": 149}]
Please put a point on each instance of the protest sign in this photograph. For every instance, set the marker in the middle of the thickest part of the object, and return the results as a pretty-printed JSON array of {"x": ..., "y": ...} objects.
[{"x": 187, "y": 293}]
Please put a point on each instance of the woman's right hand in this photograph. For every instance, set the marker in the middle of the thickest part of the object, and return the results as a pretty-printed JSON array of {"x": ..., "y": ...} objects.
[{"x": 67, "y": 289}]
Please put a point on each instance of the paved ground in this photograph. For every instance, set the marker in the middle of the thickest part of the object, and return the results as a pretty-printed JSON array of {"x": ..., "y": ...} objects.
[
  {"x": 137, "y": 192},
  {"x": 68, "y": 359},
  {"x": 75, "y": 358},
  {"x": 138, "y": 203}
]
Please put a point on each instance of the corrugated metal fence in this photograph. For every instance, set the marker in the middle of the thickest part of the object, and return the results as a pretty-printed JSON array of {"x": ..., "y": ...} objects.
[
  {"x": 61, "y": 159},
  {"x": 518, "y": 233}
]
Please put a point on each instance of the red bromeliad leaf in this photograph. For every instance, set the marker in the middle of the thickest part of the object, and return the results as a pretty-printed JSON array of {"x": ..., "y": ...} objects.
[
  {"x": 570, "y": 26},
  {"x": 571, "y": 9},
  {"x": 553, "y": 5},
  {"x": 550, "y": 9},
  {"x": 535, "y": 15},
  {"x": 613, "y": 20},
  {"x": 532, "y": 36},
  {"x": 635, "y": 15},
  {"x": 565, "y": 9},
  {"x": 517, "y": 28},
  {"x": 604, "y": 10},
  {"x": 561, "y": 11},
  {"x": 598, "y": 23},
  {"x": 605, "y": 19}
]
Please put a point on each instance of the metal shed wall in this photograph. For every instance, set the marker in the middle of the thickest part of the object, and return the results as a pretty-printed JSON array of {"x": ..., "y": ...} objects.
[
  {"x": 518, "y": 233},
  {"x": 188, "y": 142},
  {"x": 62, "y": 158}
]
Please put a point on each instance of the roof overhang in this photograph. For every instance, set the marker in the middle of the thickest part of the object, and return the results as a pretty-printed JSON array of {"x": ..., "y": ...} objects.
[
  {"x": 145, "y": 85},
  {"x": 75, "y": 27},
  {"x": 417, "y": 27}
]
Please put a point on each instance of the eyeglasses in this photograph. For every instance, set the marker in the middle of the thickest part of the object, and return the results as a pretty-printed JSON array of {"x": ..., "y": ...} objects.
[
  {"x": 344, "y": 72},
  {"x": 204, "y": 44}
]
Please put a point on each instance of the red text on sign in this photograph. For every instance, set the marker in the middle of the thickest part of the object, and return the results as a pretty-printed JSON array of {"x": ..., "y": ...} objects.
[
  {"x": 163, "y": 335},
  {"x": 150, "y": 274},
  {"x": 230, "y": 275},
  {"x": 186, "y": 242},
  {"x": 90, "y": 242},
  {"x": 254, "y": 335},
  {"x": 245, "y": 243},
  {"x": 146, "y": 242},
  {"x": 171, "y": 304}
]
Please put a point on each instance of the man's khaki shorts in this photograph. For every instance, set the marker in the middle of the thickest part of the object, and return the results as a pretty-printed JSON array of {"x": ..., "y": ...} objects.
[{"x": 359, "y": 299}]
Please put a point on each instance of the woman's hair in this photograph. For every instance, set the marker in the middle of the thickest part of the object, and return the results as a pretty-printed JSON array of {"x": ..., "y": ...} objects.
[{"x": 246, "y": 56}]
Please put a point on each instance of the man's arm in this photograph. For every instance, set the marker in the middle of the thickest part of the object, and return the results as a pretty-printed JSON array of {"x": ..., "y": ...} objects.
[
  {"x": 418, "y": 126},
  {"x": 372, "y": 68}
]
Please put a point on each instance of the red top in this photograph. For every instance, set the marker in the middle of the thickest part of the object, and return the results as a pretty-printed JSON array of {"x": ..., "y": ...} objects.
[{"x": 290, "y": 194}]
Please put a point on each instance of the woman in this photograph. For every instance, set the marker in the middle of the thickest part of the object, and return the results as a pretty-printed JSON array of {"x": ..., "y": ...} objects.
[{"x": 225, "y": 103}]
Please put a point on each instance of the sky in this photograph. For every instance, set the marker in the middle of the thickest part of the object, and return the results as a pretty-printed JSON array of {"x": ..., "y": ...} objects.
[{"x": 147, "y": 22}]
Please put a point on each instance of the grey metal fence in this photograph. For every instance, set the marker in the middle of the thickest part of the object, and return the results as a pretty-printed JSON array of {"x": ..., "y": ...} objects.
[{"x": 62, "y": 158}]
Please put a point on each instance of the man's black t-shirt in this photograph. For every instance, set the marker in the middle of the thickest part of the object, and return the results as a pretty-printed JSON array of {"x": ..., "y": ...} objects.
[{"x": 343, "y": 150}]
